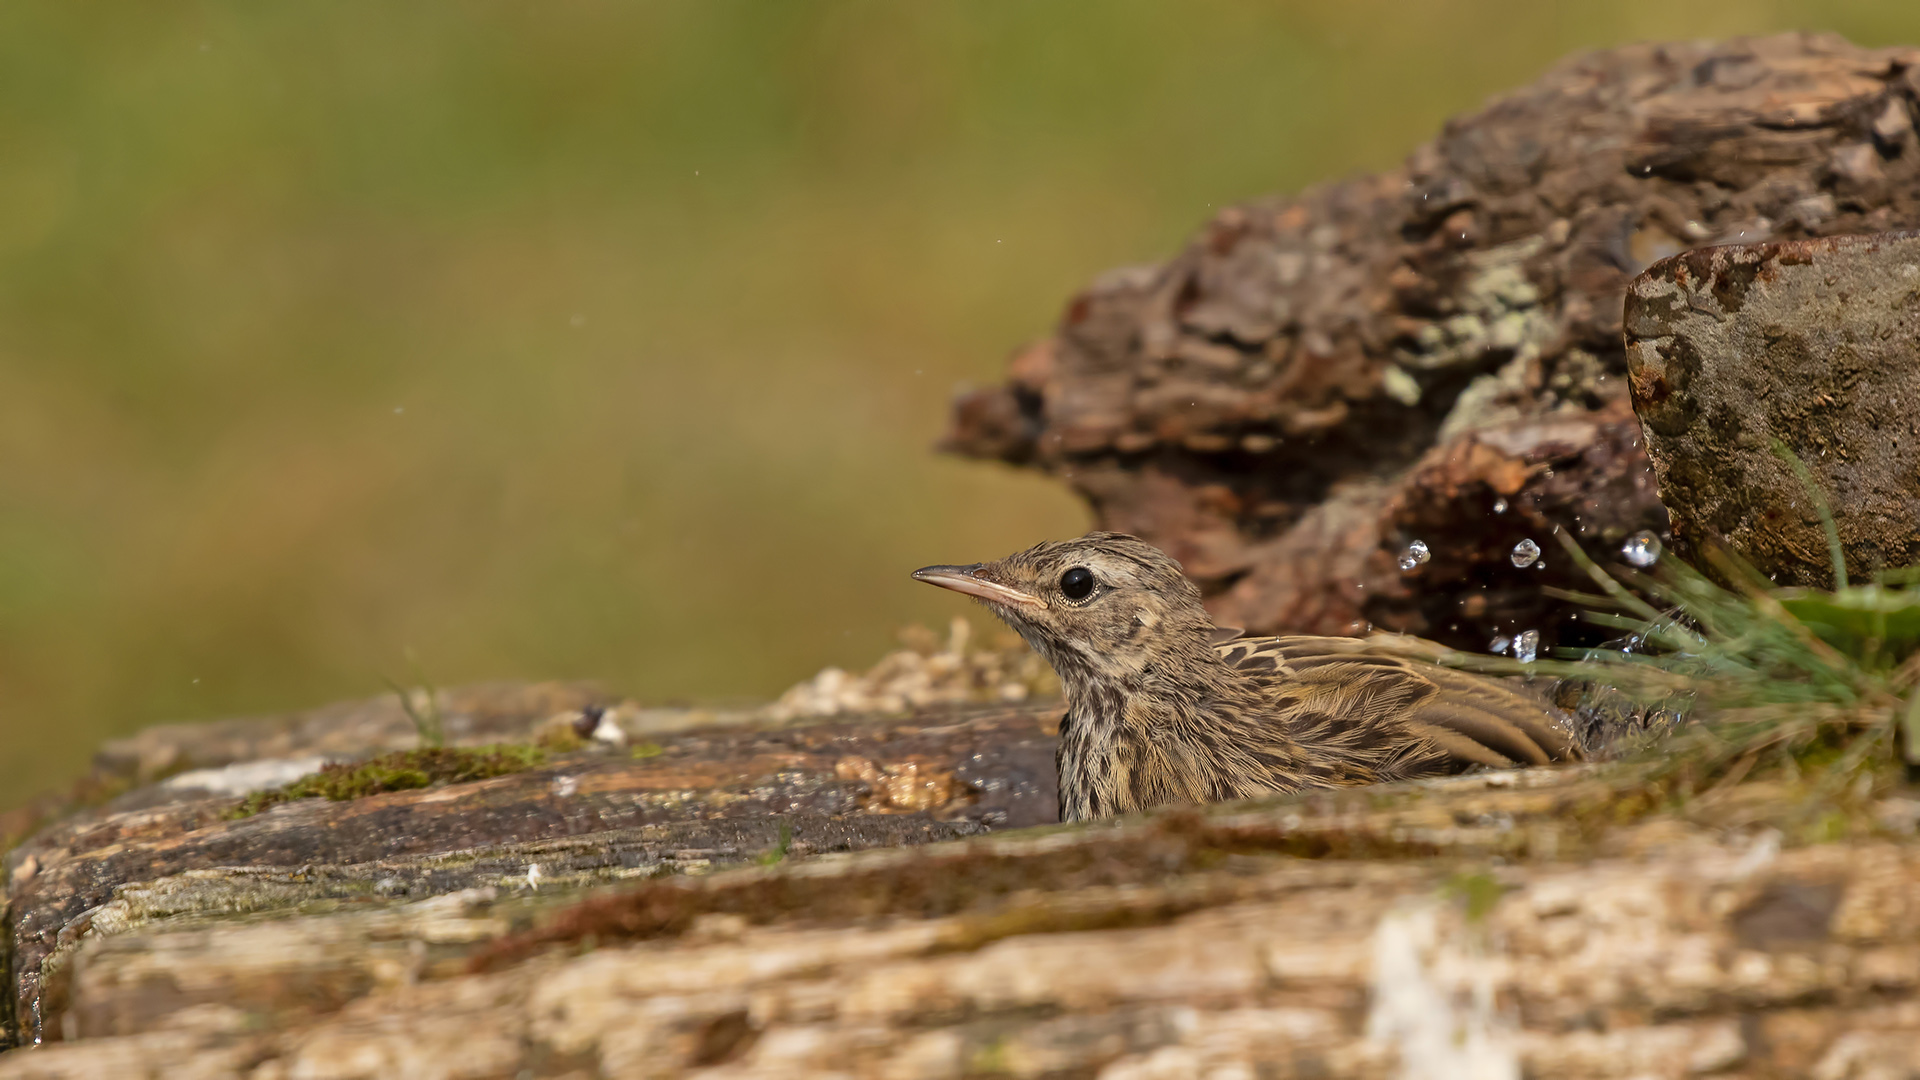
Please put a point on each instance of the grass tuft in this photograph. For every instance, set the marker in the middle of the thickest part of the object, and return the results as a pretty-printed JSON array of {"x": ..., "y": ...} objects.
[
  {"x": 1820, "y": 685},
  {"x": 778, "y": 853},
  {"x": 425, "y": 714}
]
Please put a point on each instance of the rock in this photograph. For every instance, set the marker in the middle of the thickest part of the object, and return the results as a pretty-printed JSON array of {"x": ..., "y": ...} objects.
[
  {"x": 1811, "y": 343},
  {"x": 1269, "y": 404}
]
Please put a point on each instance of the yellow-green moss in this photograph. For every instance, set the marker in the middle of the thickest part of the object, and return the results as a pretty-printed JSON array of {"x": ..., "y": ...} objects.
[
  {"x": 399, "y": 771},
  {"x": 560, "y": 740},
  {"x": 1477, "y": 892}
]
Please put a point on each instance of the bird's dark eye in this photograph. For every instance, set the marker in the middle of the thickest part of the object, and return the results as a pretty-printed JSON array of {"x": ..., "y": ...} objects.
[{"x": 1077, "y": 583}]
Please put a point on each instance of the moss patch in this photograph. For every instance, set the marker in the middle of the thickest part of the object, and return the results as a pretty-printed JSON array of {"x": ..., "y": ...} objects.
[
  {"x": 400, "y": 771},
  {"x": 1477, "y": 892},
  {"x": 559, "y": 739}
]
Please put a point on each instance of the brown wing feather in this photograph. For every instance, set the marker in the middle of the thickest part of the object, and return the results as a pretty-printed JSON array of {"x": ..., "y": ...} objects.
[
  {"x": 1459, "y": 748},
  {"x": 1385, "y": 690}
]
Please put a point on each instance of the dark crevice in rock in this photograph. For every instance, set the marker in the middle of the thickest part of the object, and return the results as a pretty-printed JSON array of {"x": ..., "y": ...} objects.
[{"x": 9, "y": 1021}]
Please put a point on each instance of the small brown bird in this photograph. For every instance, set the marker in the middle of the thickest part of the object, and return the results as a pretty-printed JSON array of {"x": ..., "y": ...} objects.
[{"x": 1164, "y": 707}]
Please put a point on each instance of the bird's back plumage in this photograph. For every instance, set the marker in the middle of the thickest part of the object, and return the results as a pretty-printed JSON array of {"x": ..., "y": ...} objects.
[{"x": 1348, "y": 692}]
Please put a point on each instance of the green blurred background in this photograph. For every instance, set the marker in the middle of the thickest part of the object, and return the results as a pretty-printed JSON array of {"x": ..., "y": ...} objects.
[{"x": 602, "y": 339}]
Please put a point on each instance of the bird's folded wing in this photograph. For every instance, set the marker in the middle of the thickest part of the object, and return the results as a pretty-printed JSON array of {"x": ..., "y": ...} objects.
[{"x": 1385, "y": 683}]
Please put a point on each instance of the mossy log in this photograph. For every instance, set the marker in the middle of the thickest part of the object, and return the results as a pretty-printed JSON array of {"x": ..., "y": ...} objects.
[
  {"x": 702, "y": 789},
  {"x": 710, "y": 907}
]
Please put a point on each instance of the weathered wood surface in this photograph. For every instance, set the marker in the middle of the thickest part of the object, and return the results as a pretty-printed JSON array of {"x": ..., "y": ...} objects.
[
  {"x": 1502, "y": 925},
  {"x": 709, "y": 794},
  {"x": 1273, "y": 404}
]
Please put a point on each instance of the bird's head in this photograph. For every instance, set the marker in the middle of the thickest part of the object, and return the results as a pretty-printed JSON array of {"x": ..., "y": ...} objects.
[{"x": 1107, "y": 606}]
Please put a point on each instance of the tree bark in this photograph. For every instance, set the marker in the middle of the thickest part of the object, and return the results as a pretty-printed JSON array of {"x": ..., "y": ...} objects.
[
  {"x": 1317, "y": 381},
  {"x": 1551, "y": 922}
]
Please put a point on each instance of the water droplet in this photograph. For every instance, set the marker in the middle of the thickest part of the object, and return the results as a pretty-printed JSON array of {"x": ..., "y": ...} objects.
[
  {"x": 1526, "y": 646},
  {"x": 1524, "y": 553},
  {"x": 1415, "y": 554},
  {"x": 1642, "y": 549},
  {"x": 1499, "y": 644},
  {"x": 1499, "y": 506}
]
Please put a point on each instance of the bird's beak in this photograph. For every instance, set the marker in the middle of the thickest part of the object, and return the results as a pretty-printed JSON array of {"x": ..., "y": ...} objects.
[{"x": 967, "y": 579}]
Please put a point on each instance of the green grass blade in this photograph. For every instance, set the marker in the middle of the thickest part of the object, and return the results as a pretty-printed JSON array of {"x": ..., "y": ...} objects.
[{"x": 1805, "y": 476}]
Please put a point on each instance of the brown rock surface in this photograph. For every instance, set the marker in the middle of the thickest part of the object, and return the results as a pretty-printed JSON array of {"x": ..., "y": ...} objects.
[
  {"x": 1813, "y": 343},
  {"x": 1270, "y": 404}
]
